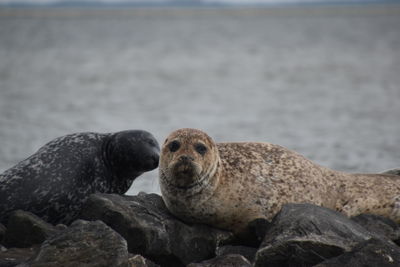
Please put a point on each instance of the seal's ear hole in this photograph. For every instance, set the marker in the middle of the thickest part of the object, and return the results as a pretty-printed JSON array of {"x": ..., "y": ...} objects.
[
  {"x": 201, "y": 149},
  {"x": 166, "y": 140},
  {"x": 174, "y": 146}
]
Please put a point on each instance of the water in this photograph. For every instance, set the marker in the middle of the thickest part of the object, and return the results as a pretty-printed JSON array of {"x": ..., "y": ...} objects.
[{"x": 322, "y": 81}]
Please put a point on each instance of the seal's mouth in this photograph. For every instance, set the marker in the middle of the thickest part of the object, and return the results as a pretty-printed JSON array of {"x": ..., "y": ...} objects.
[
  {"x": 185, "y": 175},
  {"x": 184, "y": 169}
]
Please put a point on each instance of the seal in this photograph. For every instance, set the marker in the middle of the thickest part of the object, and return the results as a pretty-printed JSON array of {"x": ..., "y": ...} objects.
[
  {"x": 227, "y": 185},
  {"x": 54, "y": 182}
]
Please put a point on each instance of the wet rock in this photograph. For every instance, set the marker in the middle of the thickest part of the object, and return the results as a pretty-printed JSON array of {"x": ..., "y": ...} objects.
[
  {"x": 305, "y": 234},
  {"x": 16, "y": 256},
  {"x": 25, "y": 229},
  {"x": 230, "y": 260},
  {"x": 380, "y": 226},
  {"x": 248, "y": 252},
  {"x": 83, "y": 244},
  {"x": 151, "y": 231},
  {"x": 140, "y": 261},
  {"x": 374, "y": 252}
]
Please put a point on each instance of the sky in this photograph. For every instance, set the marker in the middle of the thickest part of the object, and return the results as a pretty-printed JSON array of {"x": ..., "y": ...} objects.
[{"x": 204, "y": 1}]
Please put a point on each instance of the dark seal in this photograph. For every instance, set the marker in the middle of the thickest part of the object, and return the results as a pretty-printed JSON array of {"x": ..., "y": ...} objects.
[{"x": 54, "y": 182}]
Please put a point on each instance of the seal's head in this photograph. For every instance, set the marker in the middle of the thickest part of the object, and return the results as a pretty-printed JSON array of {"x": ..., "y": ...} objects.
[
  {"x": 132, "y": 152},
  {"x": 189, "y": 157}
]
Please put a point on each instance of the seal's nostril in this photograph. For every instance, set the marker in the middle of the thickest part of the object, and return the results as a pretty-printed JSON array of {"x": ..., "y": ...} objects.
[{"x": 186, "y": 158}]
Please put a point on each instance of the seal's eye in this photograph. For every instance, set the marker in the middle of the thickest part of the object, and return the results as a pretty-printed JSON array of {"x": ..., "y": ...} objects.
[
  {"x": 174, "y": 146},
  {"x": 201, "y": 149}
]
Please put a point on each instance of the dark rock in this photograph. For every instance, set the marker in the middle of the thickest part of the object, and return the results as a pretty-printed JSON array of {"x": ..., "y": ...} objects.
[
  {"x": 25, "y": 229},
  {"x": 61, "y": 227},
  {"x": 248, "y": 252},
  {"x": 259, "y": 227},
  {"x": 374, "y": 252},
  {"x": 16, "y": 256},
  {"x": 231, "y": 260},
  {"x": 305, "y": 234},
  {"x": 151, "y": 231},
  {"x": 2, "y": 233},
  {"x": 379, "y": 226},
  {"x": 254, "y": 234},
  {"x": 83, "y": 244},
  {"x": 140, "y": 261}
]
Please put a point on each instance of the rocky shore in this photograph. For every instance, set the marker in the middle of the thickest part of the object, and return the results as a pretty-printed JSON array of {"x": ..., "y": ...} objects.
[{"x": 115, "y": 230}]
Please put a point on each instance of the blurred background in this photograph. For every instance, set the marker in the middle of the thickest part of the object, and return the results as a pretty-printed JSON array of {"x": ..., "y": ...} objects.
[{"x": 318, "y": 77}]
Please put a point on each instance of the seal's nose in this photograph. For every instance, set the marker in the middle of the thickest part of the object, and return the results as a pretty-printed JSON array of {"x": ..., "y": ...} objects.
[
  {"x": 155, "y": 158},
  {"x": 151, "y": 162},
  {"x": 186, "y": 158}
]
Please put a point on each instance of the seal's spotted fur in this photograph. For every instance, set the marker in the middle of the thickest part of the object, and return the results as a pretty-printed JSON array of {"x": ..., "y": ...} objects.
[
  {"x": 55, "y": 181},
  {"x": 234, "y": 183}
]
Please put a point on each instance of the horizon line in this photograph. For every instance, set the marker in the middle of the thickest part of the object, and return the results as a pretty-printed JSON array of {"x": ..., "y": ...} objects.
[{"x": 183, "y": 3}]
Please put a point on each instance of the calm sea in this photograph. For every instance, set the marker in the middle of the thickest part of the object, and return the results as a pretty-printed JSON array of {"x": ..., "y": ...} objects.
[{"x": 324, "y": 81}]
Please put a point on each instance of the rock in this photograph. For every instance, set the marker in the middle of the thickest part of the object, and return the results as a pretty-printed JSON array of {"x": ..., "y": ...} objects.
[
  {"x": 83, "y": 244},
  {"x": 374, "y": 252},
  {"x": 151, "y": 231},
  {"x": 379, "y": 226},
  {"x": 140, "y": 261},
  {"x": 17, "y": 256},
  {"x": 230, "y": 260},
  {"x": 248, "y": 252},
  {"x": 392, "y": 171},
  {"x": 305, "y": 234},
  {"x": 61, "y": 227},
  {"x": 2, "y": 233},
  {"x": 254, "y": 234},
  {"x": 25, "y": 229}
]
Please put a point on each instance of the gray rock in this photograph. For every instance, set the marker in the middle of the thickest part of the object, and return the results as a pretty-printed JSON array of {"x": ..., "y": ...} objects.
[
  {"x": 25, "y": 229},
  {"x": 305, "y": 234},
  {"x": 379, "y": 226},
  {"x": 230, "y": 260},
  {"x": 17, "y": 256},
  {"x": 248, "y": 252},
  {"x": 374, "y": 252},
  {"x": 140, "y": 261},
  {"x": 151, "y": 231},
  {"x": 61, "y": 227},
  {"x": 83, "y": 244}
]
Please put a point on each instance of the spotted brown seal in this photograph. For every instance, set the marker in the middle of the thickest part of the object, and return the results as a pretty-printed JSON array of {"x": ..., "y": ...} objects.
[{"x": 227, "y": 185}]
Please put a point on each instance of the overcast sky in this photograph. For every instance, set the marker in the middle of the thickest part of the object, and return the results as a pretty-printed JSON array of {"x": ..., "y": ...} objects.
[{"x": 206, "y": 1}]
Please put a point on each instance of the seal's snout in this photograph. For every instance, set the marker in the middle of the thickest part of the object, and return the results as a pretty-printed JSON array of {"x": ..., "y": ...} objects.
[
  {"x": 153, "y": 160},
  {"x": 184, "y": 166},
  {"x": 185, "y": 158},
  {"x": 150, "y": 158}
]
